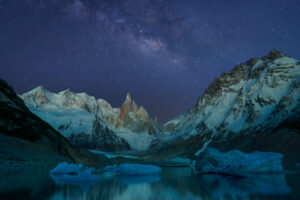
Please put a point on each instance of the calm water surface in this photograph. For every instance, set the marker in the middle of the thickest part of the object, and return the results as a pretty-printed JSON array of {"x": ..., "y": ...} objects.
[{"x": 173, "y": 183}]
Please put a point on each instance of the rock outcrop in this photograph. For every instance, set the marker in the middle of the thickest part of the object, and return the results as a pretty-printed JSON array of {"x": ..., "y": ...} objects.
[{"x": 27, "y": 139}]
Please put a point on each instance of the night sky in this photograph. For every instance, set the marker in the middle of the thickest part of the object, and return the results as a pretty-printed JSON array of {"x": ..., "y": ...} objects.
[{"x": 164, "y": 52}]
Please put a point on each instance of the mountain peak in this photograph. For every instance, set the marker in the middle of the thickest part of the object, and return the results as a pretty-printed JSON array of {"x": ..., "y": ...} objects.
[
  {"x": 39, "y": 89},
  {"x": 66, "y": 92},
  {"x": 128, "y": 97},
  {"x": 274, "y": 54}
]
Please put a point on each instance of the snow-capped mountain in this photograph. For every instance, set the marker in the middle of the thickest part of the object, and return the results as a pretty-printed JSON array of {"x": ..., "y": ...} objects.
[
  {"x": 246, "y": 108},
  {"x": 26, "y": 140},
  {"x": 94, "y": 123}
]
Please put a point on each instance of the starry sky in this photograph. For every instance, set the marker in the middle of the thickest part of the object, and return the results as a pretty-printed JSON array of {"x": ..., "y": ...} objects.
[{"x": 164, "y": 52}]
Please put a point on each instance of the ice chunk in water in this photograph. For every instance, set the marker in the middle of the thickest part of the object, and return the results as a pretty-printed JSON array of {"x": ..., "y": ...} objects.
[
  {"x": 236, "y": 162},
  {"x": 66, "y": 168}
]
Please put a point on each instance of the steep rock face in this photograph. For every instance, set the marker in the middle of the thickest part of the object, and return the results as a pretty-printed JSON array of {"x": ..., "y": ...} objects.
[
  {"x": 253, "y": 105},
  {"x": 74, "y": 115},
  {"x": 25, "y": 138},
  {"x": 135, "y": 118}
]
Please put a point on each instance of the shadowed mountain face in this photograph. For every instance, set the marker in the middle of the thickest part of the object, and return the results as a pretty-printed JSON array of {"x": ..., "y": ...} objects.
[
  {"x": 27, "y": 139},
  {"x": 255, "y": 106}
]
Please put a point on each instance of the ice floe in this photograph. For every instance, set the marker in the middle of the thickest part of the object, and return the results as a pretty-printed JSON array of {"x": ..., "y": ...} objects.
[
  {"x": 73, "y": 174},
  {"x": 66, "y": 168},
  {"x": 238, "y": 163}
]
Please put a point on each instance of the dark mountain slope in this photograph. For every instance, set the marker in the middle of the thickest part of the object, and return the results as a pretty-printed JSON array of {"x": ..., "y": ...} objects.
[{"x": 26, "y": 139}]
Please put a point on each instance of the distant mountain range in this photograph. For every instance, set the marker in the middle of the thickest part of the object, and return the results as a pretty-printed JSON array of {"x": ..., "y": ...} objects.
[
  {"x": 92, "y": 123},
  {"x": 255, "y": 106}
]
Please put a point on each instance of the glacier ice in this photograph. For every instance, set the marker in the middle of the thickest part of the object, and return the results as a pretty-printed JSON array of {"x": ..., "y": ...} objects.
[
  {"x": 238, "y": 163},
  {"x": 85, "y": 175},
  {"x": 85, "y": 179},
  {"x": 73, "y": 174},
  {"x": 66, "y": 168}
]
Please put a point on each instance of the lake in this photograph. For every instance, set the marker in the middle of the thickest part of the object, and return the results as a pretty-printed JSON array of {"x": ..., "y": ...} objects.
[{"x": 173, "y": 183}]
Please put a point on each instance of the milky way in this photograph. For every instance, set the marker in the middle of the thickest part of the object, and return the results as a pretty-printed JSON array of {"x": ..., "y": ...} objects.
[{"x": 164, "y": 52}]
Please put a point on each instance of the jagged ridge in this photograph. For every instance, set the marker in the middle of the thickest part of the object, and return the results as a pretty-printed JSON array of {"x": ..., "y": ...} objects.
[{"x": 75, "y": 115}]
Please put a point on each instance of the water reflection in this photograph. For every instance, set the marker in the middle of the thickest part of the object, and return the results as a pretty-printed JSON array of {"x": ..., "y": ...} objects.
[
  {"x": 174, "y": 183},
  {"x": 218, "y": 186},
  {"x": 85, "y": 185},
  {"x": 127, "y": 180}
]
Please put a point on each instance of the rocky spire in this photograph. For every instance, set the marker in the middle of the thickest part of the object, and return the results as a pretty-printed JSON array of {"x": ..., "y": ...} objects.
[
  {"x": 129, "y": 106},
  {"x": 142, "y": 113},
  {"x": 125, "y": 109},
  {"x": 128, "y": 98}
]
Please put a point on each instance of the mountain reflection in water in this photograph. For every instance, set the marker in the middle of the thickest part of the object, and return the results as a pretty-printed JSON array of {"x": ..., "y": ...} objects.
[{"x": 173, "y": 183}]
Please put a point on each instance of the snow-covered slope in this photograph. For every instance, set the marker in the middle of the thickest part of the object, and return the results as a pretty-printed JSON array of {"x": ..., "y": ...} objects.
[
  {"x": 91, "y": 122},
  {"x": 259, "y": 92},
  {"x": 255, "y": 97}
]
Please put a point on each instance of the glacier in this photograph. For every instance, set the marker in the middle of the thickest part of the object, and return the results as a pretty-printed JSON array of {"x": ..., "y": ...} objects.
[{"x": 238, "y": 163}]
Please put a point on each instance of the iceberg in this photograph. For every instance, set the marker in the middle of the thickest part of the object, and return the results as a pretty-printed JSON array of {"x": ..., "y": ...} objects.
[
  {"x": 85, "y": 179},
  {"x": 73, "y": 174},
  {"x": 238, "y": 163},
  {"x": 66, "y": 168},
  {"x": 85, "y": 175},
  {"x": 109, "y": 168}
]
